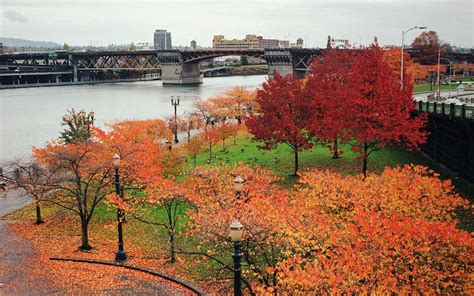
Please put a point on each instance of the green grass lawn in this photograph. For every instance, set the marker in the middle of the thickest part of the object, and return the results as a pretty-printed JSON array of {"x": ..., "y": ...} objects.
[
  {"x": 280, "y": 160},
  {"x": 154, "y": 241},
  {"x": 426, "y": 87}
]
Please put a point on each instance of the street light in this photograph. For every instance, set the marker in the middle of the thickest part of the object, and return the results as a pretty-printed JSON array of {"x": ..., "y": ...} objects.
[
  {"x": 90, "y": 118},
  {"x": 238, "y": 185},
  {"x": 120, "y": 255},
  {"x": 401, "y": 57},
  {"x": 91, "y": 114},
  {"x": 175, "y": 103},
  {"x": 236, "y": 231}
]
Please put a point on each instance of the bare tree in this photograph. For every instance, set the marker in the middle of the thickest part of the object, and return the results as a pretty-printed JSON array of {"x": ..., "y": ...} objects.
[{"x": 36, "y": 180}]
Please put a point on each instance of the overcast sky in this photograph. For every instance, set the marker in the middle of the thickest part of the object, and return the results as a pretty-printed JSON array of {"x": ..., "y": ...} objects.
[{"x": 101, "y": 22}]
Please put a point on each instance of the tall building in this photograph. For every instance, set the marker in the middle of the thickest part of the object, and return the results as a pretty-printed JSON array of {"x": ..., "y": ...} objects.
[{"x": 162, "y": 40}]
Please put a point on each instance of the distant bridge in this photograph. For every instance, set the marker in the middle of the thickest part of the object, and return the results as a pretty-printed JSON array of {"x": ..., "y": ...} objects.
[{"x": 177, "y": 66}]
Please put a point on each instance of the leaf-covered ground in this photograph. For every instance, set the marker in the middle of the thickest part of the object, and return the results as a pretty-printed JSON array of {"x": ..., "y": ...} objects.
[{"x": 26, "y": 267}]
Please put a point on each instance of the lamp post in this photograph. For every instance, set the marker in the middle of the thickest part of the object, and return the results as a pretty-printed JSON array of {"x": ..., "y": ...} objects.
[
  {"x": 91, "y": 116},
  {"x": 238, "y": 185},
  {"x": 175, "y": 104},
  {"x": 450, "y": 71},
  {"x": 401, "y": 57},
  {"x": 120, "y": 255},
  {"x": 91, "y": 120},
  {"x": 236, "y": 231}
]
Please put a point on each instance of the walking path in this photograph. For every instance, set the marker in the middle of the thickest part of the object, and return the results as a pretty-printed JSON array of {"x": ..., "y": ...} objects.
[
  {"x": 22, "y": 274},
  {"x": 13, "y": 200},
  {"x": 18, "y": 274}
]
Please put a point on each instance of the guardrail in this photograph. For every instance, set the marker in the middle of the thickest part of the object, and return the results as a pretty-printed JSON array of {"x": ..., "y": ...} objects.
[{"x": 450, "y": 110}]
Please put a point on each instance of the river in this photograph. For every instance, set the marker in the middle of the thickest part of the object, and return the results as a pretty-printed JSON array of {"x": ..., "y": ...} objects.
[{"x": 32, "y": 116}]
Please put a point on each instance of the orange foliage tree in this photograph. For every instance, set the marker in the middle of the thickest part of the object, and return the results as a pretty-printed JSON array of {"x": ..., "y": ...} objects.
[
  {"x": 38, "y": 181},
  {"x": 216, "y": 205},
  {"x": 195, "y": 146},
  {"x": 393, "y": 232},
  {"x": 206, "y": 110},
  {"x": 211, "y": 137},
  {"x": 163, "y": 205},
  {"x": 149, "y": 168},
  {"x": 226, "y": 131},
  {"x": 83, "y": 177},
  {"x": 236, "y": 102},
  {"x": 189, "y": 122}
]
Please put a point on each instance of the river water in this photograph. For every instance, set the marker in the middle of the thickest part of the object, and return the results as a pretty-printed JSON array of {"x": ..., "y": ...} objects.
[{"x": 32, "y": 116}]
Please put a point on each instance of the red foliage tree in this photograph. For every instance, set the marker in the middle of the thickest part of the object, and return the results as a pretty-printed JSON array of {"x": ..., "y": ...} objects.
[
  {"x": 329, "y": 85},
  {"x": 428, "y": 46},
  {"x": 380, "y": 113},
  {"x": 283, "y": 115}
]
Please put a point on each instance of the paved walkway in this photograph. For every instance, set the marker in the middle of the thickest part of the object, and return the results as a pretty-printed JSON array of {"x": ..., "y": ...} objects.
[
  {"x": 16, "y": 268},
  {"x": 13, "y": 200},
  {"x": 19, "y": 275}
]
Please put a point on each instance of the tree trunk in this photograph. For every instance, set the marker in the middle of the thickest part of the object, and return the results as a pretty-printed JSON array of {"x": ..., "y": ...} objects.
[
  {"x": 189, "y": 135},
  {"x": 239, "y": 120},
  {"x": 85, "y": 237},
  {"x": 194, "y": 159},
  {"x": 171, "y": 242},
  {"x": 210, "y": 151},
  {"x": 223, "y": 144},
  {"x": 296, "y": 161},
  {"x": 38, "y": 214},
  {"x": 335, "y": 149},
  {"x": 364, "y": 160}
]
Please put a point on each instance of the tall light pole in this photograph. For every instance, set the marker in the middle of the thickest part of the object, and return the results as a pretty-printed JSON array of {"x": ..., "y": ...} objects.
[
  {"x": 175, "y": 103},
  {"x": 438, "y": 90},
  {"x": 401, "y": 57},
  {"x": 120, "y": 255},
  {"x": 450, "y": 71},
  {"x": 236, "y": 231}
]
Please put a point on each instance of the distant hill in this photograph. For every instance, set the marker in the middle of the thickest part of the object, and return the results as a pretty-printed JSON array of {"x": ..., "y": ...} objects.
[{"x": 17, "y": 42}]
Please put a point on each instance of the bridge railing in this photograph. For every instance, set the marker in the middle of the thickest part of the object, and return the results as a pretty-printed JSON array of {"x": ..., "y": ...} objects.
[{"x": 451, "y": 110}]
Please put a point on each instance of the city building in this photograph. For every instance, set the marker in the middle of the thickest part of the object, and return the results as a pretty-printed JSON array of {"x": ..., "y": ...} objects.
[
  {"x": 250, "y": 41},
  {"x": 1, "y": 48},
  {"x": 339, "y": 43},
  {"x": 193, "y": 44},
  {"x": 283, "y": 44},
  {"x": 162, "y": 40},
  {"x": 268, "y": 43},
  {"x": 299, "y": 43},
  {"x": 144, "y": 46}
]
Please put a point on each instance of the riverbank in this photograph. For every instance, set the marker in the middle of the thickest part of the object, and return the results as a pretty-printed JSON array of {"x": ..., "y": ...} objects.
[{"x": 75, "y": 83}]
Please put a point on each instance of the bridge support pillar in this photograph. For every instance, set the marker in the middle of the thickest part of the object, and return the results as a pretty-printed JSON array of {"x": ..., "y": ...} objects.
[
  {"x": 282, "y": 69},
  {"x": 187, "y": 73},
  {"x": 279, "y": 61}
]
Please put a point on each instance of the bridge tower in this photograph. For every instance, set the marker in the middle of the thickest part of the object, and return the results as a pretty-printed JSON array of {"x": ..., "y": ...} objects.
[
  {"x": 174, "y": 70},
  {"x": 279, "y": 61}
]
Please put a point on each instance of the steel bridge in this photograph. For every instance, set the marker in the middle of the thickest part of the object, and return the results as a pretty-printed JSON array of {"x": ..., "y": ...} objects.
[{"x": 176, "y": 66}]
